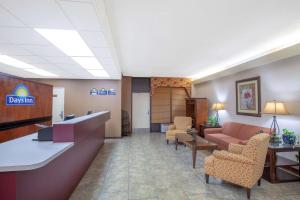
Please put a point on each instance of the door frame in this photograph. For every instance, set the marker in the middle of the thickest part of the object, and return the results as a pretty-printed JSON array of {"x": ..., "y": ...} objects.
[
  {"x": 63, "y": 102},
  {"x": 149, "y": 125}
]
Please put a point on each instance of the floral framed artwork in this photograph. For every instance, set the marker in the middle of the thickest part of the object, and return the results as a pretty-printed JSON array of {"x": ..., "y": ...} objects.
[{"x": 248, "y": 100}]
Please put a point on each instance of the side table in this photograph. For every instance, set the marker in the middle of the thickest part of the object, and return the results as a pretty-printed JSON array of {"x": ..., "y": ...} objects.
[
  {"x": 205, "y": 126},
  {"x": 276, "y": 166}
]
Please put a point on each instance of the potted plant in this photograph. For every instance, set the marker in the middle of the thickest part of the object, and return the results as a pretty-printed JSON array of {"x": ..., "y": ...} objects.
[
  {"x": 212, "y": 121},
  {"x": 275, "y": 139},
  {"x": 288, "y": 137}
]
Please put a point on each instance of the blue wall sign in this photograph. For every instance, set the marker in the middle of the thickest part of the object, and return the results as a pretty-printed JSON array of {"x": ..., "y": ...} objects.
[
  {"x": 112, "y": 92},
  {"x": 93, "y": 92},
  {"x": 20, "y": 97},
  {"x": 103, "y": 91}
]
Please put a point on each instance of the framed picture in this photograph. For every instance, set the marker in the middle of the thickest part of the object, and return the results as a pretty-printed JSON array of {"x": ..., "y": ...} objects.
[{"x": 248, "y": 100}]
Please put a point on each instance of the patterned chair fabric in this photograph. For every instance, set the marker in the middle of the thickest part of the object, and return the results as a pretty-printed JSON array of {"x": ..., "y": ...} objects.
[
  {"x": 180, "y": 126},
  {"x": 241, "y": 164}
]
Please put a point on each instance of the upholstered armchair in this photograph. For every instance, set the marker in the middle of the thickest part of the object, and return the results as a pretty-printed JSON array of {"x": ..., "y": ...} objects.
[
  {"x": 180, "y": 126},
  {"x": 241, "y": 164}
]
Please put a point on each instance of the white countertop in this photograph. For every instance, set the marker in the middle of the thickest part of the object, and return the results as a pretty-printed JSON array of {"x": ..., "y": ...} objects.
[{"x": 24, "y": 154}]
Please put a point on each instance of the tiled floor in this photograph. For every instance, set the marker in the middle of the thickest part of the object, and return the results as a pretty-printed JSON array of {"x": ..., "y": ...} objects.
[{"x": 144, "y": 167}]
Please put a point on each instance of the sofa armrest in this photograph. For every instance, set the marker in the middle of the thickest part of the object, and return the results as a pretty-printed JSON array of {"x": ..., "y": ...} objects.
[
  {"x": 172, "y": 127},
  {"x": 225, "y": 155},
  {"x": 235, "y": 148},
  {"x": 212, "y": 130},
  {"x": 243, "y": 142}
]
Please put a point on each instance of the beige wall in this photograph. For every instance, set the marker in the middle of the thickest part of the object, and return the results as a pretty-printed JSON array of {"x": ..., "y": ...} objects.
[
  {"x": 279, "y": 80},
  {"x": 78, "y": 100}
]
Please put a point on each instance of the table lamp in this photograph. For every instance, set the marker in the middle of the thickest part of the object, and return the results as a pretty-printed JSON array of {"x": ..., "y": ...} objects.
[
  {"x": 216, "y": 107},
  {"x": 275, "y": 108}
]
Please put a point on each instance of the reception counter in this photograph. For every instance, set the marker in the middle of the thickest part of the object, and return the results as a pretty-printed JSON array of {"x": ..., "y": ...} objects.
[{"x": 51, "y": 170}]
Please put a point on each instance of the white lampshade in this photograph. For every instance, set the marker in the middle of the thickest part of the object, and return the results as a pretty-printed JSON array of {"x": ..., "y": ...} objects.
[{"x": 275, "y": 108}]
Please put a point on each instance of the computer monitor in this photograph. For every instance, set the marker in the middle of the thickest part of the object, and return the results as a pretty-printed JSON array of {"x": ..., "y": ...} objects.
[{"x": 68, "y": 117}]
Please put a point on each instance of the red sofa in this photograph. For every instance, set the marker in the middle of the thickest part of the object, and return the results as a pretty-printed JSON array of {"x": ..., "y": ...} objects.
[{"x": 232, "y": 132}]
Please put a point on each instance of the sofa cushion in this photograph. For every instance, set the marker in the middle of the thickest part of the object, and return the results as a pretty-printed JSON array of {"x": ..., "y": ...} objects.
[
  {"x": 222, "y": 140},
  {"x": 232, "y": 129},
  {"x": 247, "y": 131}
]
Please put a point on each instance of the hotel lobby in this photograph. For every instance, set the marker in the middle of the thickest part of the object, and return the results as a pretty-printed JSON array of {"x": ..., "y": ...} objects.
[{"x": 149, "y": 100}]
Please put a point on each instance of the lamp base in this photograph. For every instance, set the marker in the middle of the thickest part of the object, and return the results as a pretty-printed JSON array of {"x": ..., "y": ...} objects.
[{"x": 275, "y": 127}]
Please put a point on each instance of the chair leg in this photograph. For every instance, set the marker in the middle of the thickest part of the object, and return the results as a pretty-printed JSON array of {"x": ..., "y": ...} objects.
[
  {"x": 248, "y": 193},
  {"x": 206, "y": 178},
  {"x": 259, "y": 182}
]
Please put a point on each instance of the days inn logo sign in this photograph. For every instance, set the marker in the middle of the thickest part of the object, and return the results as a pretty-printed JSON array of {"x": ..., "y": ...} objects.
[{"x": 20, "y": 97}]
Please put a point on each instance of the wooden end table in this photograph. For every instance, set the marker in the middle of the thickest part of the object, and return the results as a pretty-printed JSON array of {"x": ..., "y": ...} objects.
[
  {"x": 198, "y": 144},
  {"x": 205, "y": 126},
  {"x": 276, "y": 166}
]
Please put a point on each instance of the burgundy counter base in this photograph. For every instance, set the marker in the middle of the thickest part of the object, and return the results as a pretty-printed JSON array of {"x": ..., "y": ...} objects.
[{"x": 58, "y": 179}]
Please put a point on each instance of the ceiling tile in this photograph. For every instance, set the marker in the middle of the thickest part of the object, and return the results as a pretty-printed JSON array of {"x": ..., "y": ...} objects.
[
  {"x": 94, "y": 38},
  {"x": 6, "y": 19},
  {"x": 21, "y": 36},
  {"x": 38, "y": 13},
  {"x": 11, "y": 50},
  {"x": 31, "y": 59},
  {"x": 43, "y": 50},
  {"x": 59, "y": 59},
  {"x": 82, "y": 15},
  {"x": 102, "y": 52}
]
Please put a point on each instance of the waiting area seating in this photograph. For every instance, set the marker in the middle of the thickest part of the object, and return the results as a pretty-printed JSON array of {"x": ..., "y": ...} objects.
[
  {"x": 180, "y": 126},
  {"x": 241, "y": 164},
  {"x": 232, "y": 132}
]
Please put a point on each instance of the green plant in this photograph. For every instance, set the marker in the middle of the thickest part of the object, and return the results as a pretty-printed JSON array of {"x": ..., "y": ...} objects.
[
  {"x": 212, "y": 120},
  {"x": 287, "y": 132},
  {"x": 288, "y": 137},
  {"x": 275, "y": 139}
]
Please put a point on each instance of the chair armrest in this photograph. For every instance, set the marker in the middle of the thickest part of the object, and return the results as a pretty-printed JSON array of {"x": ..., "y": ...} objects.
[
  {"x": 188, "y": 127},
  {"x": 212, "y": 130},
  {"x": 172, "y": 127},
  {"x": 224, "y": 155},
  {"x": 235, "y": 148}
]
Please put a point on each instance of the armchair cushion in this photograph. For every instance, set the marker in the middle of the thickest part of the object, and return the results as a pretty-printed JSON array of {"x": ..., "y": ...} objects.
[
  {"x": 232, "y": 157},
  {"x": 182, "y": 123},
  {"x": 235, "y": 148},
  {"x": 172, "y": 127}
]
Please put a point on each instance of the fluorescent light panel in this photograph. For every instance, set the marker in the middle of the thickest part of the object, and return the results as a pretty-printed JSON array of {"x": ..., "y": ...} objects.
[
  {"x": 40, "y": 72},
  {"x": 98, "y": 73},
  {"x": 68, "y": 41},
  {"x": 22, "y": 65},
  {"x": 71, "y": 43},
  {"x": 14, "y": 62},
  {"x": 88, "y": 62}
]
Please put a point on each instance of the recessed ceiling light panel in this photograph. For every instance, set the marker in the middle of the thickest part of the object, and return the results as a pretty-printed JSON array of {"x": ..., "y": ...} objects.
[
  {"x": 101, "y": 73},
  {"x": 88, "y": 62},
  {"x": 68, "y": 41},
  {"x": 41, "y": 72},
  {"x": 14, "y": 62}
]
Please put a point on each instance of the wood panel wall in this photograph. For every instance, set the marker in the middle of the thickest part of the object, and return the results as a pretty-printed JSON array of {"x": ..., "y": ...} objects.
[
  {"x": 161, "y": 106},
  {"x": 127, "y": 97},
  {"x": 178, "y": 102},
  {"x": 166, "y": 103},
  {"x": 21, "y": 116}
]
